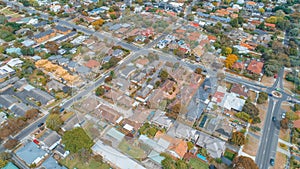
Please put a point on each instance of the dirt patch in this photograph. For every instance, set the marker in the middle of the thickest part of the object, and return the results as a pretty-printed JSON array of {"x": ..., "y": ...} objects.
[
  {"x": 252, "y": 95},
  {"x": 263, "y": 108},
  {"x": 268, "y": 81},
  {"x": 251, "y": 145},
  {"x": 284, "y": 135},
  {"x": 286, "y": 106},
  {"x": 280, "y": 161},
  {"x": 287, "y": 85}
]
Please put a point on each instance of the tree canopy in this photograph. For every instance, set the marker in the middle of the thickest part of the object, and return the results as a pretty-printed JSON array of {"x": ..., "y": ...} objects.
[
  {"x": 243, "y": 162},
  {"x": 238, "y": 138},
  {"x": 54, "y": 122},
  {"x": 76, "y": 139}
]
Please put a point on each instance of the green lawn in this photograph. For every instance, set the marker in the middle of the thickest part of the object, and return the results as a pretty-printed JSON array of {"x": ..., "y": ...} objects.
[
  {"x": 198, "y": 164},
  {"x": 132, "y": 150},
  {"x": 229, "y": 154},
  {"x": 76, "y": 163}
]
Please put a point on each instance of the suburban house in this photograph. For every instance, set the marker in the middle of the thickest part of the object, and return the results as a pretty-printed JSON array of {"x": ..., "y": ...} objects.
[
  {"x": 161, "y": 120},
  {"x": 255, "y": 67},
  {"x": 44, "y": 36},
  {"x": 62, "y": 30},
  {"x": 30, "y": 153},
  {"x": 50, "y": 139}
]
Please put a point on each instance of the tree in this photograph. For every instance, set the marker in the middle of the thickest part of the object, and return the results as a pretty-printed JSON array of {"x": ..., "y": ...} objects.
[
  {"x": 163, "y": 75},
  {"x": 4, "y": 158},
  {"x": 238, "y": 138},
  {"x": 244, "y": 162},
  {"x": 76, "y": 140},
  {"x": 31, "y": 114},
  {"x": 228, "y": 50},
  {"x": 198, "y": 70},
  {"x": 284, "y": 123},
  {"x": 261, "y": 10},
  {"x": 250, "y": 109},
  {"x": 262, "y": 97},
  {"x": 190, "y": 17},
  {"x": 52, "y": 47},
  {"x": 296, "y": 107},
  {"x": 230, "y": 60},
  {"x": 190, "y": 145},
  {"x": 54, "y": 122},
  {"x": 98, "y": 23},
  {"x": 292, "y": 115},
  {"x": 100, "y": 91},
  {"x": 11, "y": 143}
]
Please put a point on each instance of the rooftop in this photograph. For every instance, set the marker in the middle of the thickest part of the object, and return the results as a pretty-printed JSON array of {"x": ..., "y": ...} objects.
[{"x": 30, "y": 153}]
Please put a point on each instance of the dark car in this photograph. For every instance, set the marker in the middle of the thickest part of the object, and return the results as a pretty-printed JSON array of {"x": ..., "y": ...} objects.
[
  {"x": 272, "y": 162},
  {"x": 273, "y": 119},
  {"x": 40, "y": 125}
]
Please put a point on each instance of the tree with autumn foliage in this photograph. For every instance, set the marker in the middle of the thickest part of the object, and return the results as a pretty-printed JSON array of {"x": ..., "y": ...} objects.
[
  {"x": 98, "y": 23},
  {"x": 243, "y": 162},
  {"x": 230, "y": 60},
  {"x": 238, "y": 138}
]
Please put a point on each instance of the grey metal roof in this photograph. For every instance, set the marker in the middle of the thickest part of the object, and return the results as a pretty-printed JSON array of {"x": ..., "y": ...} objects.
[
  {"x": 50, "y": 138},
  {"x": 7, "y": 100},
  {"x": 82, "y": 69},
  {"x": 30, "y": 152},
  {"x": 9, "y": 81},
  {"x": 51, "y": 163},
  {"x": 42, "y": 34},
  {"x": 41, "y": 24},
  {"x": 61, "y": 28},
  {"x": 19, "y": 109}
]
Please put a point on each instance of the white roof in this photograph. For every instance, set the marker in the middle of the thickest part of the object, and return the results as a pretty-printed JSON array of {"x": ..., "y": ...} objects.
[
  {"x": 115, "y": 157},
  {"x": 231, "y": 101},
  {"x": 6, "y": 69},
  {"x": 14, "y": 62},
  {"x": 128, "y": 127}
]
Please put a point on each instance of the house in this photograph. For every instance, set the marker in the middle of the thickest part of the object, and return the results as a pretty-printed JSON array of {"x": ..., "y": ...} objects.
[
  {"x": 115, "y": 134},
  {"x": 117, "y": 53},
  {"x": 7, "y": 100},
  {"x": 51, "y": 163},
  {"x": 44, "y": 36},
  {"x": 160, "y": 119},
  {"x": 127, "y": 71},
  {"x": 13, "y": 50},
  {"x": 15, "y": 62},
  {"x": 255, "y": 67},
  {"x": 239, "y": 90},
  {"x": 142, "y": 95},
  {"x": 55, "y": 8},
  {"x": 114, "y": 157},
  {"x": 28, "y": 42},
  {"x": 3, "y": 118},
  {"x": 50, "y": 139},
  {"x": 30, "y": 153},
  {"x": 92, "y": 64},
  {"x": 73, "y": 122},
  {"x": 148, "y": 32},
  {"x": 6, "y": 71},
  {"x": 214, "y": 146},
  {"x": 19, "y": 109},
  {"x": 231, "y": 101},
  {"x": 140, "y": 63},
  {"x": 60, "y": 150},
  {"x": 182, "y": 131},
  {"x": 238, "y": 65},
  {"x": 219, "y": 95}
]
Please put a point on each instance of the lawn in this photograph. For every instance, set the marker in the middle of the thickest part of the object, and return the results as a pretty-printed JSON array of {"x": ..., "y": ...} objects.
[
  {"x": 75, "y": 162},
  {"x": 132, "y": 150},
  {"x": 229, "y": 154},
  {"x": 198, "y": 164}
]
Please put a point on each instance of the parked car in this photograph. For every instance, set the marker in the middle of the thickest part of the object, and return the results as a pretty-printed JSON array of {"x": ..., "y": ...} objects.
[
  {"x": 272, "y": 162},
  {"x": 273, "y": 118}
]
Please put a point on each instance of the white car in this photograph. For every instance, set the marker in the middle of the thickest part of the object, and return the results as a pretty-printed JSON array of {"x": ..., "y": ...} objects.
[{"x": 283, "y": 115}]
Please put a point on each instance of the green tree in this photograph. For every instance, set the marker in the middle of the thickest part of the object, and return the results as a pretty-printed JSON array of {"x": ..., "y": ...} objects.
[
  {"x": 100, "y": 91},
  {"x": 54, "y": 122},
  {"x": 238, "y": 138},
  {"x": 163, "y": 75},
  {"x": 261, "y": 10},
  {"x": 190, "y": 145},
  {"x": 296, "y": 107},
  {"x": 76, "y": 140},
  {"x": 262, "y": 97}
]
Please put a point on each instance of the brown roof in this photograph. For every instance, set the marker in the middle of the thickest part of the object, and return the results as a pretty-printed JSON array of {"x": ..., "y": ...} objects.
[
  {"x": 255, "y": 66},
  {"x": 238, "y": 65},
  {"x": 238, "y": 89},
  {"x": 142, "y": 61},
  {"x": 92, "y": 64}
]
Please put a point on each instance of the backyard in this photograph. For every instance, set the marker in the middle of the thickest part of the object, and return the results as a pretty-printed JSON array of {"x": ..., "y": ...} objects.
[
  {"x": 73, "y": 161},
  {"x": 198, "y": 164},
  {"x": 132, "y": 149}
]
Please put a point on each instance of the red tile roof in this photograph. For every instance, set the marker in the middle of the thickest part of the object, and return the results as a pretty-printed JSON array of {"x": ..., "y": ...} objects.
[
  {"x": 238, "y": 65},
  {"x": 270, "y": 25},
  {"x": 238, "y": 89},
  {"x": 92, "y": 64},
  {"x": 255, "y": 67},
  {"x": 218, "y": 97}
]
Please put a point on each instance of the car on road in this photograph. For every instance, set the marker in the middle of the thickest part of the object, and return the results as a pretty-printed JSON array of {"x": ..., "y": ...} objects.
[
  {"x": 283, "y": 115},
  {"x": 40, "y": 125},
  {"x": 272, "y": 162},
  {"x": 273, "y": 118},
  {"x": 61, "y": 110}
]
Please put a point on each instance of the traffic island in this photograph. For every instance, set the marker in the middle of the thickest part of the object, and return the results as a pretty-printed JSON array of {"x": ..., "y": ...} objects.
[{"x": 276, "y": 94}]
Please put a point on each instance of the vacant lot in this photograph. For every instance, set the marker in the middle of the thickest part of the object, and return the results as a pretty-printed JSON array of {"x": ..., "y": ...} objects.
[
  {"x": 284, "y": 135},
  {"x": 252, "y": 95},
  {"x": 198, "y": 164},
  {"x": 251, "y": 145},
  {"x": 280, "y": 160},
  {"x": 287, "y": 85},
  {"x": 268, "y": 81}
]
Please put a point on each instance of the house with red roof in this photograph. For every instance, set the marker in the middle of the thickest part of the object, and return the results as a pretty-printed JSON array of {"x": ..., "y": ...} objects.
[
  {"x": 255, "y": 67},
  {"x": 92, "y": 64}
]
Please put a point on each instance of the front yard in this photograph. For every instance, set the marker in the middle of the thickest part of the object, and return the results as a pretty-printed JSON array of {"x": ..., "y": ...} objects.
[{"x": 251, "y": 145}]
